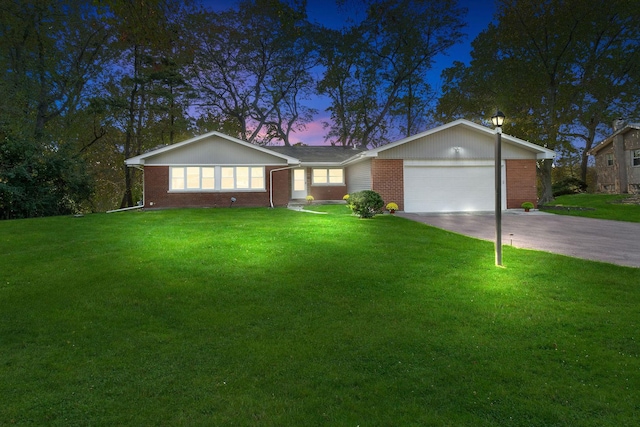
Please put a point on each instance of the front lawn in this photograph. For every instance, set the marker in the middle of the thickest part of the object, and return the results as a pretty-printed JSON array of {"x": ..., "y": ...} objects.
[
  {"x": 272, "y": 317},
  {"x": 600, "y": 206}
]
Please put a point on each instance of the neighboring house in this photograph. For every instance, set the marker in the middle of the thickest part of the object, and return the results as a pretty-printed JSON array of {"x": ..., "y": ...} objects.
[
  {"x": 618, "y": 160},
  {"x": 446, "y": 169}
]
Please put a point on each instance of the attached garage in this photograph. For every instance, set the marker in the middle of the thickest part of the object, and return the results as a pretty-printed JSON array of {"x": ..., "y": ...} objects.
[
  {"x": 444, "y": 186},
  {"x": 451, "y": 169}
]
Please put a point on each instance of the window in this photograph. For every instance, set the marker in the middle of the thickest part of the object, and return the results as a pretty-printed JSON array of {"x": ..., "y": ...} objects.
[
  {"x": 192, "y": 178},
  {"x": 208, "y": 179},
  {"x": 257, "y": 178},
  {"x": 228, "y": 181},
  {"x": 177, "y": 178},
  {"x": 328, "y": 176},
  {"x": 609, "y": 159},
  {"x": 241, "y": 178},
  {"x": 212, "y": 178},
  {"x": 635, "y": 158},
  {"x": 299, "y": 180}
]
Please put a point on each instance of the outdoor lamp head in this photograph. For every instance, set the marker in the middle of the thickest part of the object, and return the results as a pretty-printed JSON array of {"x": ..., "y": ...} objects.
[{"x": 498, "y": 119}]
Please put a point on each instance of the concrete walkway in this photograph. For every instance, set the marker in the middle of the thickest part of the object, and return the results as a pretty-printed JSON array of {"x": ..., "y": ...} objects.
[{"x": 614, "y": 242}]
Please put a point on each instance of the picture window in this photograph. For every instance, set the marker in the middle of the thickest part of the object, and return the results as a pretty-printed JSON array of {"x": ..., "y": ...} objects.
[
  {"x": 212, "y": 178},
  {"x": 323, "y": 176}
]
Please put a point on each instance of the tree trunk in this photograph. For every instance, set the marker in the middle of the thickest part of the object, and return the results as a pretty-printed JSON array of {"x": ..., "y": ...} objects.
[
  {"x": 584, "y": 161},
  {"x": 544, "y": 170},
  {"x": 584, "y": 165},
  {"x": 127, "y": 197}
]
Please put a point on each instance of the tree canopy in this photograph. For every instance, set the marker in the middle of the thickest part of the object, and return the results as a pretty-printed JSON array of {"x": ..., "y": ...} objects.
[
  {"x": 85, "y": 84},
  {"x": 561, "y": 70},
  {"x": 376, "y": 69},
  {"x": 49, "y": 52}
]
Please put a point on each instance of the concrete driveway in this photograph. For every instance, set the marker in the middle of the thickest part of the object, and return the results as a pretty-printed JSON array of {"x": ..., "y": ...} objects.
[{"x": 614, "y": 242}]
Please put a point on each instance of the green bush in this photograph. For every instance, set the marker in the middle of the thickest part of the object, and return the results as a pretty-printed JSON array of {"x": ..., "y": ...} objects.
[
  {"x": 569, "y": 185},
  {"x": 365, "y": 203}
]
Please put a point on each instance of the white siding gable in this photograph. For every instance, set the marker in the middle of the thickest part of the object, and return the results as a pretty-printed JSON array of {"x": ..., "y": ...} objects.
[
  {"x": 455, "y": 143},
  {"x": 214, "y": 150}
]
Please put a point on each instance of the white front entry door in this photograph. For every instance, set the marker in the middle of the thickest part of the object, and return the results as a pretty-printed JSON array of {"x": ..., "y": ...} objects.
[{"x": 299, "y": 184}]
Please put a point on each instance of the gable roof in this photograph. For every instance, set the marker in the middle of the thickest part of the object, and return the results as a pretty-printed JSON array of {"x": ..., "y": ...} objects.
[
  {"x": 140, "y": 160},
  {"x": 605, "y": 142},
  {"x": 318, "y": 155},
  {"x": 541, "y": 152},
  {"x": 337, "y": 155}
]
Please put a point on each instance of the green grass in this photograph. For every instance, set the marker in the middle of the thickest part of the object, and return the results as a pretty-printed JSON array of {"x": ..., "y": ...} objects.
[
  {"x": 600, "y": 206},
  {"x": 281, "y": 318}
]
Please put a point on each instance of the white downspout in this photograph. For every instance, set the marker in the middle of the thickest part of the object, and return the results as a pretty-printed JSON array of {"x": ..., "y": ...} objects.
[{"x": 271, "y": 180}]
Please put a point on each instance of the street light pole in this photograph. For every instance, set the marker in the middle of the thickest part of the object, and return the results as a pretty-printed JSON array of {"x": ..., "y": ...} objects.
[{"x": 497, "y": 121}]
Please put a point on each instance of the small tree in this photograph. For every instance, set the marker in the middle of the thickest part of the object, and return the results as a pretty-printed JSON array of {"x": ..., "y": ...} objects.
[{"x": 366, "y": 203}]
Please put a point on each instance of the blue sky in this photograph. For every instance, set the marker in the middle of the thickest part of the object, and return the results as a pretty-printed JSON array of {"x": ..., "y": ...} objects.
[{"x": 479, "y": 15}]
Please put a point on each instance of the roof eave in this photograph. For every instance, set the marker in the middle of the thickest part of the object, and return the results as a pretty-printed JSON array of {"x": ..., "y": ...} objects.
[
  {"x": 545, "y": 155},
  {"x": 319, "y": 164},
  {"x": 608, "y": 140}
]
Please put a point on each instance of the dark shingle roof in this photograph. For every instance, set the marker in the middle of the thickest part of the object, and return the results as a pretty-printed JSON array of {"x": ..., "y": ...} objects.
[{"x": 317, "y": 154}]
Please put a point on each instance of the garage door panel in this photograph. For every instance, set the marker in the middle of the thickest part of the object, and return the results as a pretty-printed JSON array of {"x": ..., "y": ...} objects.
[{"x": 449, "y": 188}]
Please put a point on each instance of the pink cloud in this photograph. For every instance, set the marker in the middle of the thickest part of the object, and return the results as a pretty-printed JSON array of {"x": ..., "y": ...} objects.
[{"x": 313, "y": 134}]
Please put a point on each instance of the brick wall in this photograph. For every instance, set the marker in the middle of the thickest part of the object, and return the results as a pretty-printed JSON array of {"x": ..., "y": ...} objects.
[
  {"x": 521, "y": 183},
  {"x": 328, "y": 192},
  {"x": 387, "y": 179},
  {"x": 156, "y": 186}
]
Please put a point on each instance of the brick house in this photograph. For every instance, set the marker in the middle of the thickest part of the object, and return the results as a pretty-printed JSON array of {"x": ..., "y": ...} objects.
[
  {"x": 618, "y": 160},
  {"x": 446, "y": 169}
]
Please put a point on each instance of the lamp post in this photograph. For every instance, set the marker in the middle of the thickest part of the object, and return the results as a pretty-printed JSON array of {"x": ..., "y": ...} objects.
[{"x": 497, "y": 121}]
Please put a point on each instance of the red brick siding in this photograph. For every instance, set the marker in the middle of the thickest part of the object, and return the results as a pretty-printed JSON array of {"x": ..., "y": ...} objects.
[
  {"x": 156, "y": 187},
  {"x": 328, "y": 192},
  {"x": 521, "y": 183},
  {"x": 387, "y": 179}
]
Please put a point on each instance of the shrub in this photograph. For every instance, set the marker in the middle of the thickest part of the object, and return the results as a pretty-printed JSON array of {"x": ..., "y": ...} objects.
[
  {"x": 392, "y": 206},
  {"x": 366, "y": 203},
  {"x": 569, "y": 185},
  {"x": 527, "y": 205}
]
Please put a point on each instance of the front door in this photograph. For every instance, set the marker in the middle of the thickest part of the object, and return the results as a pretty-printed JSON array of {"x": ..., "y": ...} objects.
[{"x": 299, "y": 184}]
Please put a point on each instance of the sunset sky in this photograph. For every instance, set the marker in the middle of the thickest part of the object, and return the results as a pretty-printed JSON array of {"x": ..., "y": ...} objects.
[{"x": 480, "y": 13}]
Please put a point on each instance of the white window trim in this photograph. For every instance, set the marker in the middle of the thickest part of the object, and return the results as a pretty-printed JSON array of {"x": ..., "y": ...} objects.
[
  {"x": 217, "y": 180},
  {"x": 334, "y": 184},
  {"x": 635, "y": 158}
]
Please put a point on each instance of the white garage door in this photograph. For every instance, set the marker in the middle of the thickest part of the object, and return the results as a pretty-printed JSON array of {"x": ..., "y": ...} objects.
[{"x": 450, "y": 187}]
